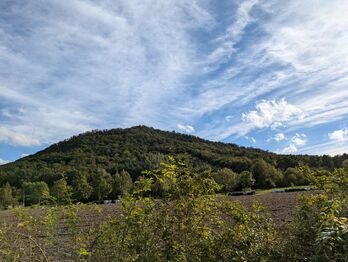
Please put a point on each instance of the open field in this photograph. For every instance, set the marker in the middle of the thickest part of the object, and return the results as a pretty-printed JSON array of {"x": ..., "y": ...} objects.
[
  {"x": 61, "y": 244},
  {"x": 281, "y": 206}
]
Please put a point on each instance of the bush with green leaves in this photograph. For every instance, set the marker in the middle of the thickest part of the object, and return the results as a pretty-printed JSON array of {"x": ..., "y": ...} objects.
[
  {"x": 320, "y": 230},
  {"x": 173, "y": 214},
  {"x": 187, "y": 223}
]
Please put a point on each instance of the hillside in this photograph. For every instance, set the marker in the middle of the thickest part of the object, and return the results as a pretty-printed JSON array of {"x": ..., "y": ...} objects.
[{"x": 109, "y": 152}]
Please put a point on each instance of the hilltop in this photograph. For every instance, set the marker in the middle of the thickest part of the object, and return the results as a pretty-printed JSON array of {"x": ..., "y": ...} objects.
[{"x": 106, "y": 153}]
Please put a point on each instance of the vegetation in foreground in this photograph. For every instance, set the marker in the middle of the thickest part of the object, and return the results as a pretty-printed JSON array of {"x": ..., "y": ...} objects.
[{"x": 188, "y": 223}]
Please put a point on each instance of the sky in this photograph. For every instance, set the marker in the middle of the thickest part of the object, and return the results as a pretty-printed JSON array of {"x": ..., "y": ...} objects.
[{"x": 269, "y": 74}]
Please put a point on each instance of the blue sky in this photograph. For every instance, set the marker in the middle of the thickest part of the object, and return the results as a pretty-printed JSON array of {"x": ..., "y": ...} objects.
[{"x": 270, "y": 74}]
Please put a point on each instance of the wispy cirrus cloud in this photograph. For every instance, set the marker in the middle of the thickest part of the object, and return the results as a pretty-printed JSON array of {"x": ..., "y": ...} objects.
[
  {"x": 15, "y": 138},
  {"x": 325, "y": 148},
  {"x": 77, "y": 65},
  {"x": 311, "y": 74},
  {"x": 232, "y": 35},
  {"x": 231, "y": 69}
]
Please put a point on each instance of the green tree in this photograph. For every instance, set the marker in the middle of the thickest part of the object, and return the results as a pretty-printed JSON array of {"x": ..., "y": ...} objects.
[
  {"x": 345, "y": 164},
  {"x": 101, "y": 183},
  {"x": 246, "y": 180},
  {"x": 228, "y": 179},
  {"x": 6, "y": 196},
  {"x": 61, "y": 191},
  {"x": 239, "y": 164},
  {"x": 82, "y": 190},
  {"x": 122, "y": 183},
  {"x": 293, "y": 177},
  {"x": 35, "y": 192},
  {"x": 266, "y": 175},
  {"x": 140, "y": 148}
]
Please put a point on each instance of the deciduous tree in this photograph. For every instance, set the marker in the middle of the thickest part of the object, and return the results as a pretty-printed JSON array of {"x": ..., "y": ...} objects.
[{"x": 61, "y": 191}]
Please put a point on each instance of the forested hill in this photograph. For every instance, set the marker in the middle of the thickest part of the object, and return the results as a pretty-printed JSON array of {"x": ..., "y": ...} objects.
[{"x": 142, "y": 148}]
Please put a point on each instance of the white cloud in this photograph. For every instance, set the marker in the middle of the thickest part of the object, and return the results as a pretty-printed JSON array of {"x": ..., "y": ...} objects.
[
  {"x": 329, "y": 148},
  {"x": 311, "y": 71},
  {"x": 3, "y": 162},
  {"x": 276, "y": 125},
  {"x": 340, "y": 135},
  {"x": 24, "y": 155},
  {"x": 232, "y": 34},
  {"x": 218, "y": 92},
  {"x": 277, "y": 137},
  {"x": 289, "y": 149},
  {"x": 317, "y": 64},
  {"x": 228, "y": 118},
  {"x": 298, "y": 140},
  {"x": 271, "y": 112},
  {"x": 186, "y": 128},
  {"x": 9, "y": 136},
  {"x": 78, "y": 65},
  {"x": 268, "y": 114},
  {"x": 95, "y": 64}
]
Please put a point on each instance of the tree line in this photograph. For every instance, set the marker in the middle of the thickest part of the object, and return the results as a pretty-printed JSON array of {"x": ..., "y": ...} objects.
[
  {"x": 99, "y": 186},
  {"x": 104, "y": 164}
]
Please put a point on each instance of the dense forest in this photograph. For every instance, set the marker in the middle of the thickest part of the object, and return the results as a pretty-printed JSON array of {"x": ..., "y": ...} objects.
[{"x": 104, "y": 164}]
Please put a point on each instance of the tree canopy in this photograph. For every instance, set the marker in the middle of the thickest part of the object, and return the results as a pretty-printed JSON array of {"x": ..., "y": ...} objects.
[{"x": 104, "y": 164}]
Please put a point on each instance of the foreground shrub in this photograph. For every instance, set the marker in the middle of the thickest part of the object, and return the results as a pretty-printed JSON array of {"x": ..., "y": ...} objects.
[
  {"x": 188, "y": 223},
  {"x": 320, "y": 230}
]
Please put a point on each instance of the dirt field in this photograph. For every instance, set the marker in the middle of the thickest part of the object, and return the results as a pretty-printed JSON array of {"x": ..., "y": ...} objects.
[{"x": 281, "y": 206}]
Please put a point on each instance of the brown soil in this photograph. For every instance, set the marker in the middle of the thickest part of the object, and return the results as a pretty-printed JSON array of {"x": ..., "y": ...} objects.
[{"x": 281, "y": 206}]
